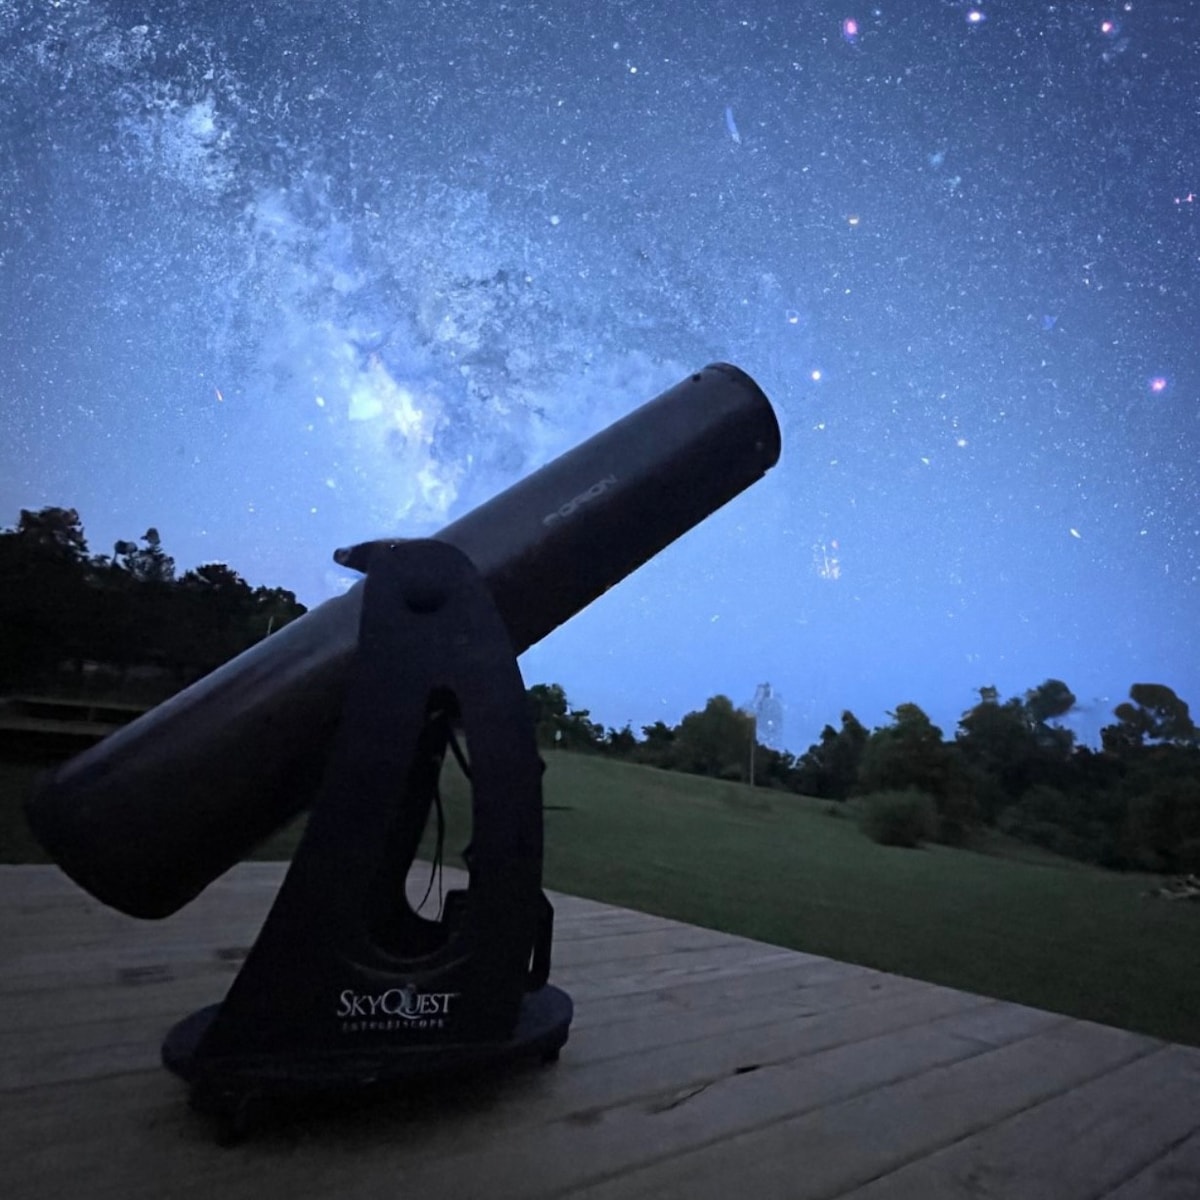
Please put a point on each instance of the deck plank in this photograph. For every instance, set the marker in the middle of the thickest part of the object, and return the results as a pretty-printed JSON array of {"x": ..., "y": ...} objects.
[
  {"x": 829, "y": 1151},
  {"x": 539, "y": 1135},
  {"x": 699, "y": 1064},
  {"x": 1174, "y": 1176},
  {"x": 1073, "y": 1147}
]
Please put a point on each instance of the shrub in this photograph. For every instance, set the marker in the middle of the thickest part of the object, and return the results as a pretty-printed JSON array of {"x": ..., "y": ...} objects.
[
  {"x": 1039, "y": 817},
  {"x": 956, "y": 816},
  {"x": 898, "y": 818},
  {"x": 1048, "y": 817}
]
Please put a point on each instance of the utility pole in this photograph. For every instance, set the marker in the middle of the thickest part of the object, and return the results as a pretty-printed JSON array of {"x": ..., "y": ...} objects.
[
  {"x": 753, "y": 743},
  {"x": 765, "y": 710}
]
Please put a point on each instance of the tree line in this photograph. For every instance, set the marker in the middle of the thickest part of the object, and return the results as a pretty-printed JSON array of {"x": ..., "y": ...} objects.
[
  {"x": 1132, "y": 804},
  {"x": 64, "y": 610}
]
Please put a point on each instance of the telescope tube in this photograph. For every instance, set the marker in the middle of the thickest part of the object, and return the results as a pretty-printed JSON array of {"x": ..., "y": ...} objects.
[{"x": 147, "y": 818}]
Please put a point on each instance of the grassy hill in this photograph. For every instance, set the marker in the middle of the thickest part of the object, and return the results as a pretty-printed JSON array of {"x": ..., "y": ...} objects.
[
  {"x": 1011, "y": 923},
  {"x": 1047, "y": 932}
]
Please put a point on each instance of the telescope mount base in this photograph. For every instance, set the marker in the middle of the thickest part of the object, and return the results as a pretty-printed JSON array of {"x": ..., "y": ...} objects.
[
  {"x": 348, "y": 988},
  {"x": 232, "y": 1092}
]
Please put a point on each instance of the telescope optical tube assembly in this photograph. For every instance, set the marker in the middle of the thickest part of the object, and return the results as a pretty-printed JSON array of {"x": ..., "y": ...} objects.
[{"x": 147, "y": 818}]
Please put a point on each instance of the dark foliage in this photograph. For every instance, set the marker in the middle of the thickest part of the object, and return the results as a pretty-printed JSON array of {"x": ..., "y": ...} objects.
[
  {"x": 830, "y": 768},
  {"x": 1135, "y": 804},
  {"x": 898, "y": 818},
  {"x": 66, "y": 616}
]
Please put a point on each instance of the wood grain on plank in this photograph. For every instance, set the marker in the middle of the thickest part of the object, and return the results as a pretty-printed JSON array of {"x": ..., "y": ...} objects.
[
  {"x": 1074, "y": 1146},
  {"x": 535, "y": 1135},
  {"x": 838, "y": 1147},
  {"x": 700, "y": 1064},
  {"x": 1173, "y": 1176}
]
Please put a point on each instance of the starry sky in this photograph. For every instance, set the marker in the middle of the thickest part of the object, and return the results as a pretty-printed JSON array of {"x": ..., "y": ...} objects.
[{"x": 280, "y": 277}]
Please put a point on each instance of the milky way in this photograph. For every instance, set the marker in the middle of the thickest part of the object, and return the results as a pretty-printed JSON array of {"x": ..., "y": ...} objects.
[{"x": 275, "y": 279}]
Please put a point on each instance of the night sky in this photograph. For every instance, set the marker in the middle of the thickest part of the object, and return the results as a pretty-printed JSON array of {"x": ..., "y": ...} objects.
[{"x": 278, "y": 277}]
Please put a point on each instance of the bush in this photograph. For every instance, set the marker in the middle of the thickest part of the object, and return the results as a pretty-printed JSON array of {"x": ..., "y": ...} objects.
[
  {"x": 956, "y": 816},
  {"x": 898, "y": 818},
  {"x": 1048, "y": 817},
  {"x": 1040, "y": 817}
]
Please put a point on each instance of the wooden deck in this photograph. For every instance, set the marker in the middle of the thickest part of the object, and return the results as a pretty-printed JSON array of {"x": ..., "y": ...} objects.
[{"x": 699, "y": 1065}]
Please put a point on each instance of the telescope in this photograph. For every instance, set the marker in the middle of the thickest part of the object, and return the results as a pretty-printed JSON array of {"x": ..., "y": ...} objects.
[{"x": 349, "y": 712}]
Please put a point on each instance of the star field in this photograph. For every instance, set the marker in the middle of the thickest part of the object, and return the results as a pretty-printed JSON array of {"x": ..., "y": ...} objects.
[{"x": 278, "y": 281}]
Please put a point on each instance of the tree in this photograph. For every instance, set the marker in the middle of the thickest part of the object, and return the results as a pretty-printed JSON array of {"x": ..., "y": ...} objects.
[
  {"x": 1164, "y": 821},
  {"x": 907, "y": 753},
  {"x": 59, "y": 605},
  {"x": 775, "y": 768},
  {"x": 715, "y": 741},
  {"x": 580, "y": 732},
  {"x": 1010, "y": 747},
  {"x": 830, "y": 767},
  {"x": 55, "y": 532},
  {"x": 904, "y": 818},
  {"x": 813, "y": 774},
  {"x": 1049, "y": 700},
  {"x": 146, "y": 564},
  {"x": 620, "y": 742},
  {"x": 271, "y": 609},
  {"x": 658, "y": 747},
  {"x": 1044, "y": 704},
  {"x": 558, "y": 725},
  {"x": 548, "y": 703},
  {"x": 216, "y": 578},
  {"x": 910, "y": 753},
  {"x": 1153, "y": 713},
  {"x": 215, "y": 606},
  {"x": 999, "y": 742},
  {"x": 43, "y": 563}
]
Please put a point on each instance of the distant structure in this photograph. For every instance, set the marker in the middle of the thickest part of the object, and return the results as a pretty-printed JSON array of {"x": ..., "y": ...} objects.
[{"x": 766, "y": 712}]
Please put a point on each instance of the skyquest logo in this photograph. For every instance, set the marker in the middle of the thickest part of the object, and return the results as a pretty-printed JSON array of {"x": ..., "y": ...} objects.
[{"x": 404, "y": 1004}]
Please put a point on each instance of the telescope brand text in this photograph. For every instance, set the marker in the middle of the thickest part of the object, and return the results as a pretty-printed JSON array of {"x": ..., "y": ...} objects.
[
  {"x": 406, "y": 1002},
  {"x": 594, "y": 492}
]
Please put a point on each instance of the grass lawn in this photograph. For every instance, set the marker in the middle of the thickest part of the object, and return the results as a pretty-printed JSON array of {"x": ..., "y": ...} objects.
[{"x": 1013, "y": 923}]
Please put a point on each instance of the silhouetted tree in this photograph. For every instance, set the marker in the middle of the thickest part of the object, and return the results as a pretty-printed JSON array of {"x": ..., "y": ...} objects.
[
  {"x": 1049, "y": 700},
  {"x": 1164, "y": 819},
  {"x": 558, "y": 725},
  {"x": 580, "y": 732},
  {"x": 271, "y": 609},
  {"x": 775, "y": 768},
  {"x": 548, "y": 703},
  {"x": 55, "y": 533},
  {"x": 1153, "y": 713},
  {"x": 620, "y": 742},
  {"x": 215, "y": 603},
  {"x": 910, "y": 753},
  {"x": 43, "y": 563},
  {"x": 714, "y": 741},
  {"x": 58, "y": 604},
  {"x": 830, "y": 767},
  {"x": 658, "y": 747},
  {"x": 1010, "y": 747},
  {"x": 148, "y": 563},
  {"x": 998, "y": 742}
]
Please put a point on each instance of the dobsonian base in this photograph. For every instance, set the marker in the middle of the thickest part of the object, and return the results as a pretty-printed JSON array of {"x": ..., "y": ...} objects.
[
  {"x": 237, "y": 1093},
  {"x": 347, "y": 987}
]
